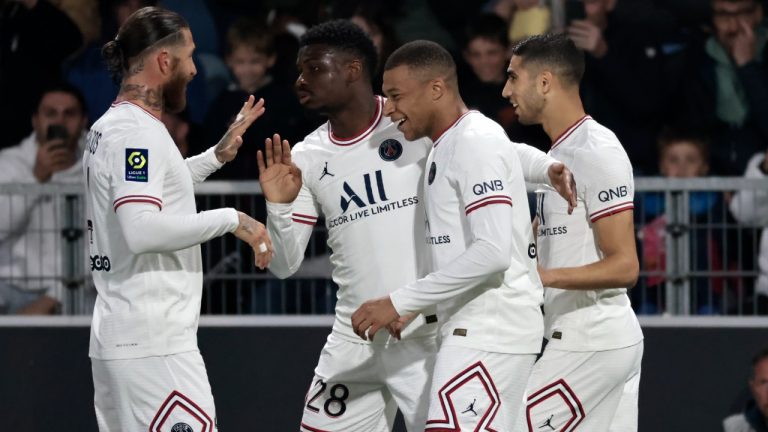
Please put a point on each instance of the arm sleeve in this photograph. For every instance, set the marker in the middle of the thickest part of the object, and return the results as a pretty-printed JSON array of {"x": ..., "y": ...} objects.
[
  {"x": 290, "y": 227},
  {"x": 751, "y": 206},
  {"x": 138, "y": 171},
  {"x": 146, "y": 229},
  {"x": 535, "y": 163},
  {"x": 203, "y": 165},
  {"x": 606, "y": 181},
  {"x": 489, "y": 214}
]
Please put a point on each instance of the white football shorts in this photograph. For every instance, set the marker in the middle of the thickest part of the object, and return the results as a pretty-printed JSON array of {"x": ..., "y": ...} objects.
[
  {"x": 358, "y": 387},
  {"x": 584, "y": 391},
  {"x": 157, "y": 394},
  {"x": 476, "y": 390}
]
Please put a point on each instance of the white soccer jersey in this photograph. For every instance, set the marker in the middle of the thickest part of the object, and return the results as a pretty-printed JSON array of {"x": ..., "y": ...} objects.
[
  {"x": 149, "y": 300},
  {"x": 367, "y": 189},
  {"x": 586, "y": 320},
  {"x": 478, "y": 229}
]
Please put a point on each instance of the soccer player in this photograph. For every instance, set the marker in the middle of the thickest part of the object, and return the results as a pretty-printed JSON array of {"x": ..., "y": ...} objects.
[
  {"x": 484, "y": 279},
  {"x": 588, "y": 376},
  {"x": 144, "y": 235},
  {"x": 361, "y": 174}
]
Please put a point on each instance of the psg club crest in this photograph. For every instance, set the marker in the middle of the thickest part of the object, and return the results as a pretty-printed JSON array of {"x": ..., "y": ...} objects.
[
  {"x": 390, "y": 150},
  {"x": 181, "y": 427},
  {"x": 432, "y": 172}
]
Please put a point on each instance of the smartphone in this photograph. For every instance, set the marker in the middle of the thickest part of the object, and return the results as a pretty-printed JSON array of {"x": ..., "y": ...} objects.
[
  {"x": 574, "y": 10},
  {"x": 56, "y": 131}
]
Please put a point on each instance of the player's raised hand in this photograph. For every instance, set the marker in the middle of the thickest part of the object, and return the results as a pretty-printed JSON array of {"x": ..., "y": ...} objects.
[
  {"x": 255, "y": 234},
  {"x": 564, "y": 183},
  {"x": 280, "y": 178},
  {"x": 230, "y": 143},
  {"x": 372, "y": 316}
]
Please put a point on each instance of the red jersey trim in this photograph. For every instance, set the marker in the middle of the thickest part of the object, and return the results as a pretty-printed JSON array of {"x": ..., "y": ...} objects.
[
  {"x": 116, "y": 103},
  {"x": 311, "y": 429},
  {"x": 455, "y": 122},
  {"x": 362, "y": 135},
  {"x": 138, "y": 198},
  {"x": 570, "y": 130},
  {"x": 612, "y": 210},
  {"x": 493, "y": 199},
  {"x": 305, "y": 219}
]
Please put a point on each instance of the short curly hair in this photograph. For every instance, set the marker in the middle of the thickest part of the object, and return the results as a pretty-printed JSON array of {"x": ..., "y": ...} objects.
[{"x": 344, "y": 36}]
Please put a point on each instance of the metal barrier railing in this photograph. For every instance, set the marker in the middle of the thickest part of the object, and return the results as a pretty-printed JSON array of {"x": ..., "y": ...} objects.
[{"x": 695, "y": 258}]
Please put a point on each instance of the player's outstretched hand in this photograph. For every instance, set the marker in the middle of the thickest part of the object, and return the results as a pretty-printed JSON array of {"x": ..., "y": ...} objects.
[
  {"x": 280, "y": 178},
  {"x": 373, "y": 315},
  {"x": 396, "y": 327},
  {"x": 255, "y": 234},
  {"x": 230, "y": 143},
  {"x": 564, "y": 183}
]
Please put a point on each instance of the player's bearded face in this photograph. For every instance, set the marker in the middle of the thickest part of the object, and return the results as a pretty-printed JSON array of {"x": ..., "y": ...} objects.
[
  {"x": 530, "y": 105},
  {"x": 175, "y": 91}
]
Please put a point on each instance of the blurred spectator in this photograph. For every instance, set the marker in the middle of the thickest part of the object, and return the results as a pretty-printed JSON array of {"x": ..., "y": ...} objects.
[
  {"x": 31, "y": 243},
  {"x": 530, "y": 18},
  {"x": 726, "y": 85},
  {"x": 754, "y": 418},
  {"x": 186, "y": 135},
  {"x": 682, "y": 154},
  {"x": 35, "y": 38},
  {"x": 88, "y": 71},
  {"x": 376, "y": 20},
  {"x": 751, "y": 207},
  {"x": 485, "y": 51},
  {"x": 250, "y": 55},
  {"x": 622, "y": 86}
]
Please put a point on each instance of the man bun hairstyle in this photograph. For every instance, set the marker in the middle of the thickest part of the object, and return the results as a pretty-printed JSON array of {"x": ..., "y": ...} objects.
[
  {"x": 553, "y": 50},
  {"x": 344, "y": 36},
  {"x": 146, "y": 28},
  {"x": 426, "y": 57}
]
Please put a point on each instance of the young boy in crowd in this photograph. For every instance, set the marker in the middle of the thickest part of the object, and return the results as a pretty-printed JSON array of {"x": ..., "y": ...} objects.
[{"x": 250, "y": 54}]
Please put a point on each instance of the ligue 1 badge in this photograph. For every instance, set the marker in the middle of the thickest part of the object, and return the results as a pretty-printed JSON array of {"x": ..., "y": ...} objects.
[
  {"x": 432, "y": 172},
  {"x": 390, "y": 150}
]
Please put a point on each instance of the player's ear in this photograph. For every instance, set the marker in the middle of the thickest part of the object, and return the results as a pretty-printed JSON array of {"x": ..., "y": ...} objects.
[
  {"x": 354, "y": 70},
  {"x": 437, "y": 88},
  {"x": 163, "y": 60},
  {"x": 544, "y": 82}
]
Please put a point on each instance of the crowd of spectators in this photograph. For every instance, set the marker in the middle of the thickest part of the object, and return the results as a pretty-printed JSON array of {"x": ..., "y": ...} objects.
[{"x": 698, "y": 67}]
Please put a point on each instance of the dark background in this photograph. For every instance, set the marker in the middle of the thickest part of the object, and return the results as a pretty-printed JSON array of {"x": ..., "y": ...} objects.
[{"x": 692, "y": 377}]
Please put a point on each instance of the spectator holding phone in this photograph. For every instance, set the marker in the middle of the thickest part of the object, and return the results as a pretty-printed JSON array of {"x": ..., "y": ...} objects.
[{"x": 31, "y": 243}]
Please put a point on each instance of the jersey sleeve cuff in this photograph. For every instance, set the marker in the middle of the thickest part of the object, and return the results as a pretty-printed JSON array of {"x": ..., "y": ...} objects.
[
  {"x": 212, "y": 159},
  {"x": 612, "y": 210},
  {"x": 233, "y": 219},
  {"x": 398, "y": 301}
]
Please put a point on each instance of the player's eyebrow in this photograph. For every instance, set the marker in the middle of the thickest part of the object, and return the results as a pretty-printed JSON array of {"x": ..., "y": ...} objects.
[{"x": 511, "y": 73}]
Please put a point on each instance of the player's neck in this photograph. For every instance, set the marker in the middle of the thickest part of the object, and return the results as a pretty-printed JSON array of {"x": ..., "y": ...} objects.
[
  {"x": 560, "y": 117},
  {"x": 354, "y": 117},
  {"x": 144, "y": 95},
  {"x": 445, "y": 118}
]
